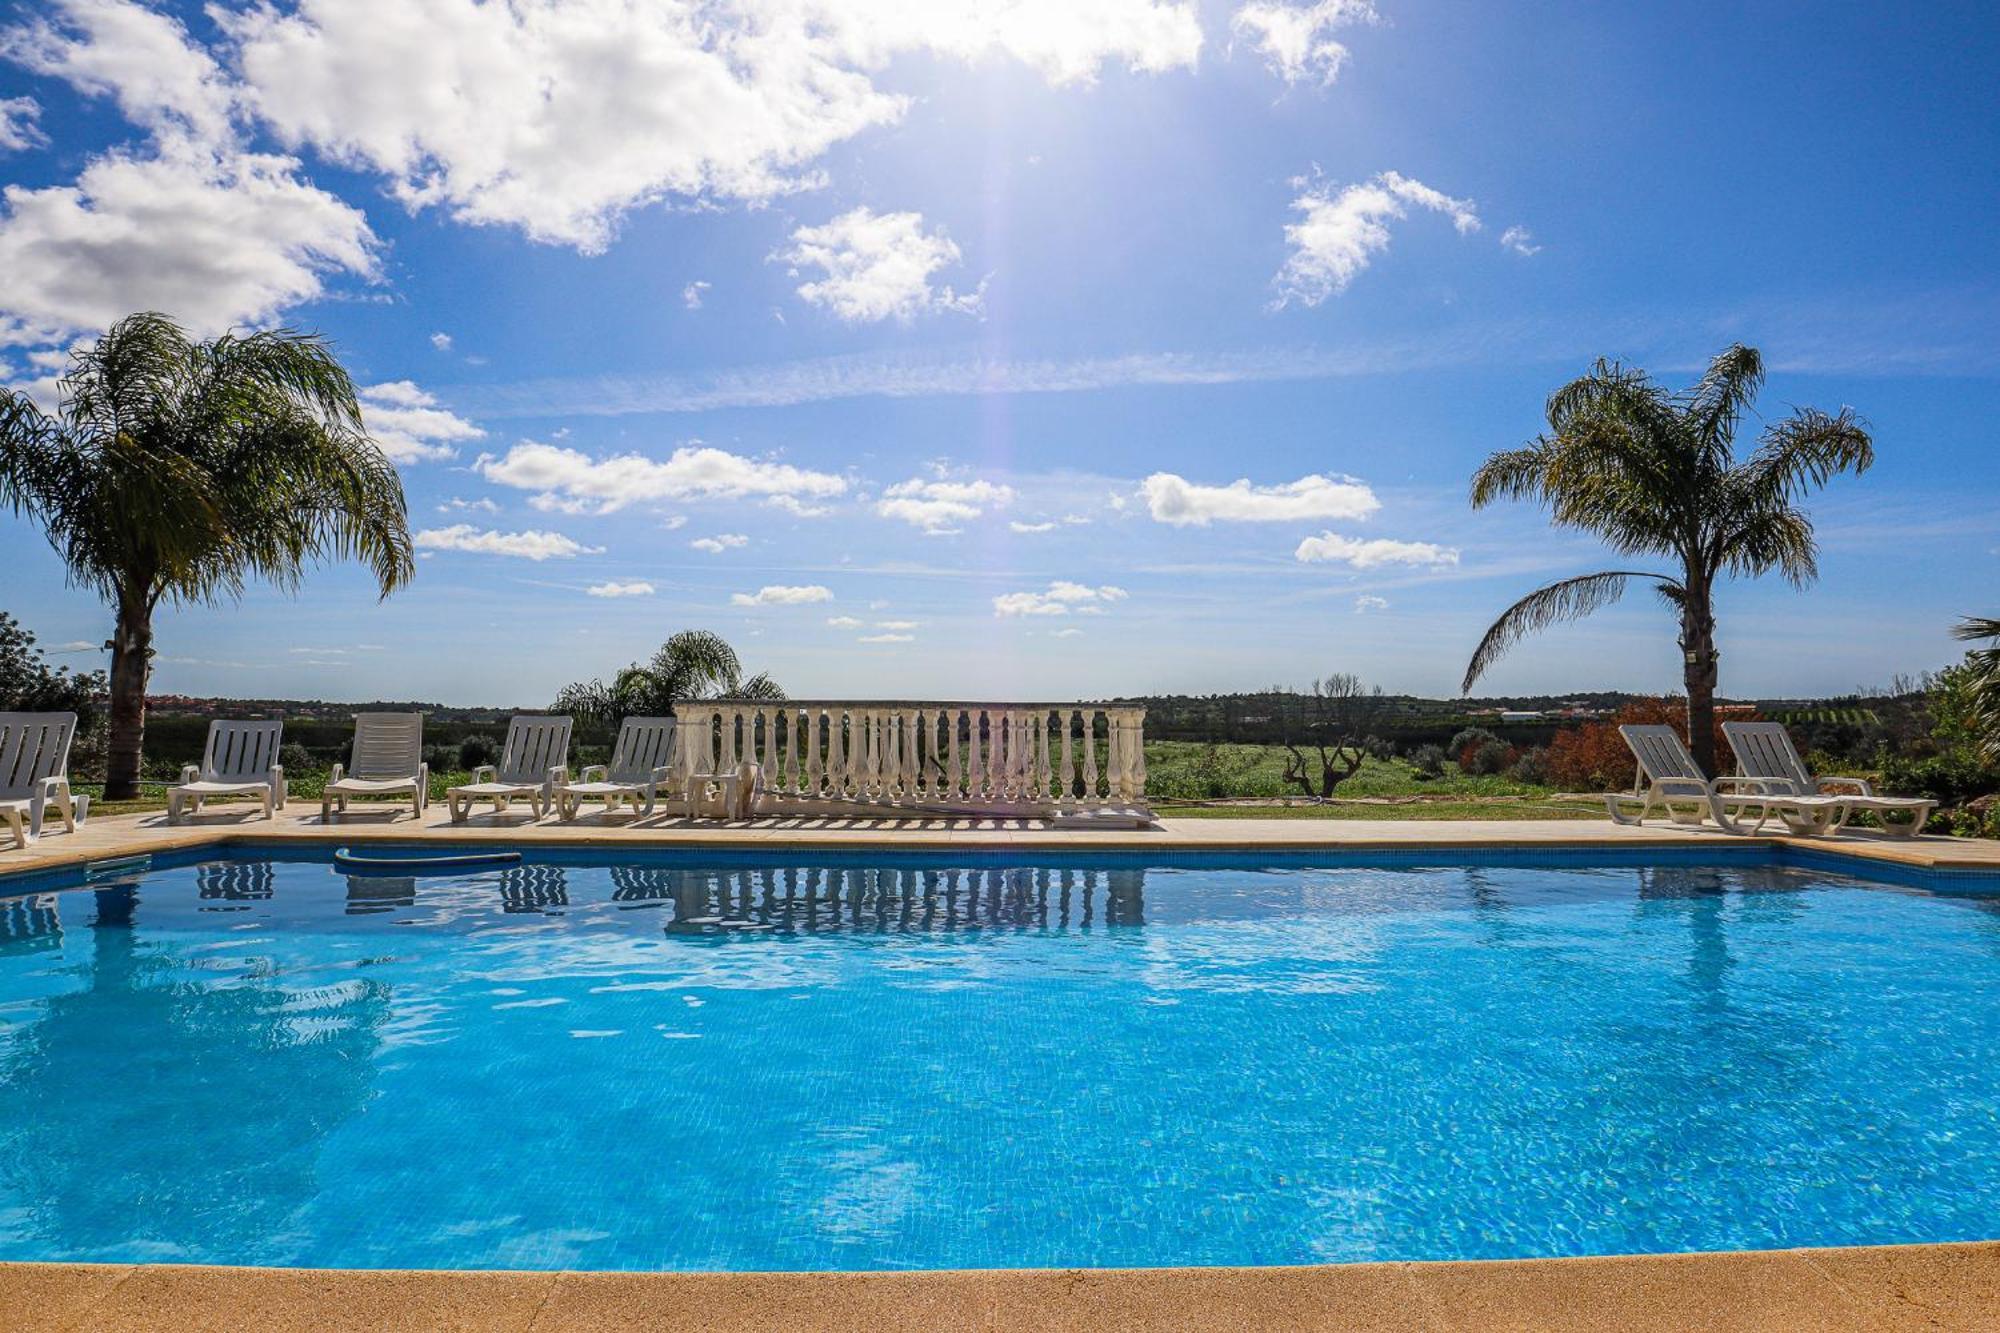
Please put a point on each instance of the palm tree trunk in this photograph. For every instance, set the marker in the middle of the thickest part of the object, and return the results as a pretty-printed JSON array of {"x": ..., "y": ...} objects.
[
  {"x": 131, "y": 663},
  {"x": 1699, "y": 674}
]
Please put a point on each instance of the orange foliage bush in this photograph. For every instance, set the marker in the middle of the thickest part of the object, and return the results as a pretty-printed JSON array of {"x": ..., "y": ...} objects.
[{"x": 1594, "y": 757}]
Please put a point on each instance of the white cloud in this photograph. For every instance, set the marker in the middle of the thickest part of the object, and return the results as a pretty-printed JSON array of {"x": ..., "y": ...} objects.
[
  {"x": 694, "y": 472},
  {"x": 1520, "y": 240},
  {"x": 1018, "y": 526},
  {"x": 887, "y": 638},
  {"x": 1297, "y": 39},
  {"x": 1342, "y": 231},
  {"x": 1061, "y": 598},
  {"x": 550, "y": 503},
  {"x": 638, "y": 588},
  {"x": 772, "y": 594},
  {"x": 876, "y": 266},
  {"x": 1066, "y": 632},
  {"x": 145, "y": 60},
  {"x": 1366, "y": 603},
  {"x": 691, "y": 294},
  {"x": 529, "y": 545},
  {"x": 217, "y": 239},
  {"x": 441, "y": 341},
  {"x": 481, "y": 506},
  {"x": 843, "y": 622},
  {"x": 559, "y": 118},
  {"x": 796, "y": 507},
  {"x": 935, "y": 505},
  {"x": 1372, "y": 552},
  {"x": 674, "y": 522},
  {"x": 1177, "y": 501},
  {"x": 18, "y": 127},
  {"x": 720, "y": 542},
  {"x": 895, "y": 624},
  {"x": 409, "y": 425}
]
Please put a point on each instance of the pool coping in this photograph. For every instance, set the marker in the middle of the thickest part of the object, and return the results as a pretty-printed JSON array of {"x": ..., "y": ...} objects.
[{"x": 1955, "y": 1285}]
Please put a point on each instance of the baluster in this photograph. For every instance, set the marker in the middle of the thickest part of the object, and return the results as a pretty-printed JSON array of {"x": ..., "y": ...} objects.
[
  {"x": 1043, "y": 767},
  {"x": 975, "y": 775},
  {"x": 1090, "y": 756},
  {"x": 953, "y": 787},
  {"x": 1138, "y": 755},
  {"x": 812, "y": 768},
  {"x": 836, "y": 752},
  {"x": 790, "y": 785},
  {"x": 1067, "y": 768}
]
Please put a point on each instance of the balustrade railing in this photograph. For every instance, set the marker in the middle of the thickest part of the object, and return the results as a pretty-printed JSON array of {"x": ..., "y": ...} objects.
[{"x": 1012, "y": 757}]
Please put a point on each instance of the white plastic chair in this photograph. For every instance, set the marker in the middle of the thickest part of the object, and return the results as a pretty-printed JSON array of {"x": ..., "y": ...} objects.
[
  {"x": 387, "y": 759},
  {"x": 1668, "y": 776},
  {"x": 534, "y": 762},
  {"x": 34, "y": 773},
  {"x": 240, "y": 759},
  {"x": 1764, "y": 751},
  {"x": 642, "y": 761}
]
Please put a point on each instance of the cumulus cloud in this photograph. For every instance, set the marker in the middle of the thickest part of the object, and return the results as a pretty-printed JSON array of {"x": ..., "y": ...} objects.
[
  {"x": 797, "y": 508},
  {"x": 558, "y": 118},
  {"x": 876, "y": 266},
  {"x": 529, "y": 545},
  {"x": 1060, "y": 599},
  {"x": 1297, "y": 39},
  {"x": 1372, "y": 552},
  {"x": 773, "y": 594},
  {"x": 1341, "y": 231},
  {"x": 886, "y": 638},
  {"x": 1367, "y": 602},
  {"x": 843, "y": 622},
  {"x": 18, "y": 127},
  {"x": 691, "y": 294},
  {"x": 935, "y": 506},
  {"x": 481, "y": 505},
  {"x": 1177, "y": 501},
  {"x": 441, "y": 341},
  {"x": 1018, "y": 526},
  {"x": 693, "y": 472},
  {"x": 1520, "y": 240},
  {"x": 720, "y": 542},
  {"x": 895, "y": 624},
  {"x": 409, "y": 425},
  {"x": 637, "y": 588}
]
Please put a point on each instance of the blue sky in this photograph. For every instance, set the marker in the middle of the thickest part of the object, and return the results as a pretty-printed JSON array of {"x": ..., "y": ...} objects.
[{"x": 920, "y": 349}]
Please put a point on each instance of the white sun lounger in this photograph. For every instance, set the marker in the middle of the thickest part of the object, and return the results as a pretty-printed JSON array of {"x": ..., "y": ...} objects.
[
  {"x": 34, "y": 773},
  {"x": 534, "y": 762},
  {"x": 387, "y": 760},
  {"x": 240, "y": 759},
  {"x": 1669, "y": 777},
  {"x": 642, "y": 762},
  {"x": 1764, "y": 751}
]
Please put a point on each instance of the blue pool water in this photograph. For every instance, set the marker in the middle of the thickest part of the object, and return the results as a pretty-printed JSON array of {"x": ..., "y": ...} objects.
[{"x": 679, "y": 1063}]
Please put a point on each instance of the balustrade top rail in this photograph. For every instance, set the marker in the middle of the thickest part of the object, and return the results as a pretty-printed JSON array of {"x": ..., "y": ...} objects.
[{"x": 907, "y": 703}]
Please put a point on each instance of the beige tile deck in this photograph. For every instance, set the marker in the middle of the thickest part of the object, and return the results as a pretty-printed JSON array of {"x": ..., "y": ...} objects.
[
  {"x": 1954, "y": 1287},
  {"x": 127, "y": 835}
]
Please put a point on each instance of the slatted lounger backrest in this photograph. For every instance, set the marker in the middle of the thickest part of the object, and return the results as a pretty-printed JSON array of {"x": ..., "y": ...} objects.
[
  {"x": 535, "y": 744},
  {"x": 387, "y": 745},
  {"x": 33, "y": 746},
  {"x": 1764, "y": 750},
  {"x": 644, "y": 744},
  {"x": 241, "y": 751},
  {"x": 1662, "y": 755}
]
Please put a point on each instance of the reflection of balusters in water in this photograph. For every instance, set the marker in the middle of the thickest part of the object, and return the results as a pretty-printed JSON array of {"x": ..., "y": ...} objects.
[
  {"x": 644, "y": 886},
  {"x": 1125, "y": 898},
  {"x": 236, "y": 882},
  {"x": 533, "y": 888},
  {"x": 31, "y": 919},
  {"x": 369, "y": 894}
]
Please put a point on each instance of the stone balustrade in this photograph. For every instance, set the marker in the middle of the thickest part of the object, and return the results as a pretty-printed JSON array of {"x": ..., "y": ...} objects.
[{"x": 1004, "y": 758}]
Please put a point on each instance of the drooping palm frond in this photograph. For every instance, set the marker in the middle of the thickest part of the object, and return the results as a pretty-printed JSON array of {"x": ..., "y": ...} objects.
[
  {"x": 1985, "y": 663},
  {"x": 1566, "y": 599},
  {"x": 1806, "y": 450},
  {"x": 1716, "y": 404},
  {"x": 759, "y": 686}
]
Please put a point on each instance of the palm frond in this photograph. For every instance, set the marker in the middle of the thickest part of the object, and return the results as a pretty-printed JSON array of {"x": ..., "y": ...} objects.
[
  {"x": 1722, "y": 395},
  {"x": 1566, "y": 599},
  {"x": 1808, "y": 449}
]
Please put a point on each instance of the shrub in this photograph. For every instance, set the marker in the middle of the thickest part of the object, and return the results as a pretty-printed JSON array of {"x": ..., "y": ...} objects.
[
  {"x": 1470, "y": 738},
  {"x": 1488, "y": 758},
  {"x": 1429, "y": 761},
  {"x": 295, "y": 759},
  {"x": 477, "y": 749},
  {"x": 1532, "y": 768},
  {"x": 1594, "y": 757}
]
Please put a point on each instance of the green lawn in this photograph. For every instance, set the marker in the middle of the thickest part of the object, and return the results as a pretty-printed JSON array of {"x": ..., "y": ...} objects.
[{"x": 1190, "y": 770}]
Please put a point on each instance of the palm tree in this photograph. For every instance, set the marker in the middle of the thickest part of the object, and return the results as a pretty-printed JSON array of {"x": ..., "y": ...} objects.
[
  {"x": 1654, "y": 472},
  {"x": 693, "y": 664},
  {"x": 1985, "y": 664},
  {"x": 180, "y": 470}
]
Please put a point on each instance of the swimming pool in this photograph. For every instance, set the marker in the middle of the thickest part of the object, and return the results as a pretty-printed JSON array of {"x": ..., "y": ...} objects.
[{"x": 721, "y": 1061}]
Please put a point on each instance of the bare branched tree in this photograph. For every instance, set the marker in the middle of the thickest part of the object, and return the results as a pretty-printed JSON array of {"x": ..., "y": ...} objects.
[{"x": 1334, "y": 718}]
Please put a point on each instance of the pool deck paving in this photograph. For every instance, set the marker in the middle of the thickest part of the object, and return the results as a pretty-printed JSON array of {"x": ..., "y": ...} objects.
[{"x": 1954, "y": 1287}]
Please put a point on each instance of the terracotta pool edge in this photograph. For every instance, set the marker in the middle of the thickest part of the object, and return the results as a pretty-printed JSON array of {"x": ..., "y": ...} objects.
[{"x": 1886, "y": 1287}]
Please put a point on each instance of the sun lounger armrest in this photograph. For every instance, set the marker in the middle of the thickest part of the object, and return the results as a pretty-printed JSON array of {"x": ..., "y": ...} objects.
[
  {"x": 335, "y": 774},
  {"x": 559, "y": 776},
  {"x": 1860, "y": 785},
  {"x": 190, "y": 772},
  {"x": 602, "y": 773},
  {"x": 51, "y": 786},
  {"x": 424, "y": 776},
  {"x": 484, "y": 773},
  {"x": 665, "y": 773},
  {"x": 276, "y": 776}
]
